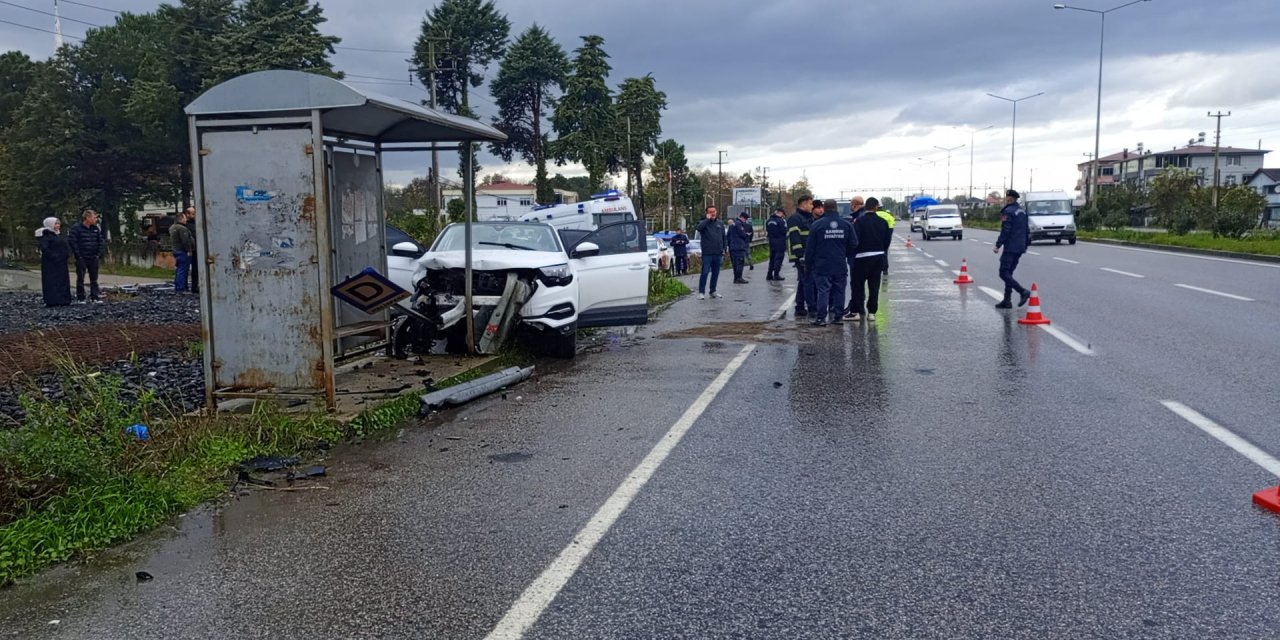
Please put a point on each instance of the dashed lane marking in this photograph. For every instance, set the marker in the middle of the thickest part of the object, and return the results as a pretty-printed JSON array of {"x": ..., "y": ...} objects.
[
  {"x": 1123, "y": 273},
  {"x": 927, "y": 255},
  {"x": 1216, "y": 293},
  {"x": 941, "y": 263},
  {"x": 1066, "y": 261},
  {"x": 1225, "y": 436},
  {"x": 1061, "y": 335},
  {"x": 988, "y": 243},
  {"x": 1034, "y": 253}
]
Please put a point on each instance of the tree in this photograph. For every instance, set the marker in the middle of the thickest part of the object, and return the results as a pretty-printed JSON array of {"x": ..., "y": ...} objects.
[
  {"x": 39, "y": 156},
  {"x": 1116, "y": 205},
  {"x": 639, "y": 114},
  {"x": 17, "y": 74},
  {"x": 494, "y": 178},
  {"x": 578, "y": 184},
  {"x": 584, "y": 117},
  {"x": 1173, "y": 195},
  {"x": 1240, "y": 209},
  {"x": 534, "y": 68},
  {"x": 801, "y": 188},
  {"x": 273, "y": 34}
]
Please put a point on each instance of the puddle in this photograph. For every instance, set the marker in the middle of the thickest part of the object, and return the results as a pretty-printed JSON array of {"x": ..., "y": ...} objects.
[{"x": 734, "y": 332}]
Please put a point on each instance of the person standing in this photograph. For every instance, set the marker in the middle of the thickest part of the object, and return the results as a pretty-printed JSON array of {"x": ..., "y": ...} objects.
[
  {"x": 776, "y": 230},
  {"x": 89, "y": 247},
  {"x": 832, "y": 242},
  {"x": 890, "y": 220},
  {"x": 183, "y": 245},
  {"x": 1015, "y": 235},
  {"x": 868, "y": 262},
  {"x": 711, "y": 234},
  {"x": 55, "y": 279},
  {"x": 856, "y": 206},
  {"x": 191, "y": 259},
  {"x": 740, "y": 234},
  {"x": 798, "y": 238},
  {"x": 680, "y": 245}
]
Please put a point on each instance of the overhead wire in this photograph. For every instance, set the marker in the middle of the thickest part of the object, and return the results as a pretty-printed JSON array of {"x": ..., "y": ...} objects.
[
  {"x": 26, "y": 26},
  {"x": 47, "y": 13}
]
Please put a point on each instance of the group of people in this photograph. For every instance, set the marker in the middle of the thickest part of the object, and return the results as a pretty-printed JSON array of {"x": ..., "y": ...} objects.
[
  {"x": 716, "y": 237},
  {"x": 86, "y": 243},
  {"x": 830, "y": 253}
]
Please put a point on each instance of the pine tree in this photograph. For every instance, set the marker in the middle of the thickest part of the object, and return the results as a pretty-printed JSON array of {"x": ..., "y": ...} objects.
[
  {"x": 584, "y": 118},
  {"x": 639, "y": 113},
  {"x": 534, "y": 68},
  {"x": 274, "y": 34}
]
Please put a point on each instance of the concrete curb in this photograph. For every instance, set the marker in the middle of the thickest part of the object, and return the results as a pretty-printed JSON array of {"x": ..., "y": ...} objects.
[{"x": 1203, "y": 252}]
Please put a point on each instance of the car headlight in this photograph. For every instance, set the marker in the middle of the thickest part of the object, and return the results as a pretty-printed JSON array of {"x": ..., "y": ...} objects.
[
  {"x": 1071, "y": 227},
  {"x": 556, "y": 275}
]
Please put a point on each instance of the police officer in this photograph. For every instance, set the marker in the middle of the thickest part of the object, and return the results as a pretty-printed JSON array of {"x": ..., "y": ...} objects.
[
  {"x": 798, "y": 238},
  {"x": 740, "y": 234},
  {"x": 680, "y": 244},
  {"x": 832, "y": 243},
  {"x": 1015, "y": 235},
  {"x": 776, "y": 229}
]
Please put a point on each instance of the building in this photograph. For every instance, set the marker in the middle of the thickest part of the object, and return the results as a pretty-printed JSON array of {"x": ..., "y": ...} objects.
[
  {"x": 505, "y": 200},
  {"x": 1267, "y": 183},
  {"x": 1107, "y": 177},
  {"x": 1235, "y": 165}
]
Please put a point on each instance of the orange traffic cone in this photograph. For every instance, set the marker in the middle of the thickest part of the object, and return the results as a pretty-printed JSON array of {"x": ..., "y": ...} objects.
[
  {"x": 964, "y": 272},
  {"x": 1034, "y": 316},
  {"x": 1268, "y": 499}
]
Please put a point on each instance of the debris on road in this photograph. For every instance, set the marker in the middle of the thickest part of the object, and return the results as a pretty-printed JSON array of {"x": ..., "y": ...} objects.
[
  {"x": 269, "y": 463},
  {"x": 468, "y": 391},
  {"x": 143, "y": 576}
]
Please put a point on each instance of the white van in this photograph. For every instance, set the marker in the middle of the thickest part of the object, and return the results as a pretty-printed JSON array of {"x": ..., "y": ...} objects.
[
  {"x": 602, "y": 209},
  {"x": 1050, "y": 216},
  {"x": 939, "y": 220}
]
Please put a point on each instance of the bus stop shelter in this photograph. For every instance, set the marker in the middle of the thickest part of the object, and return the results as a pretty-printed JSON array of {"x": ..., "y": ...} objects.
[{"x": 288, "y": 181}]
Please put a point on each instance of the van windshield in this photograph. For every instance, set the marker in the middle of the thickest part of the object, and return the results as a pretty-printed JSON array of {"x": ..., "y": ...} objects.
[
  {"x": 1049, "y": 208},
  {"x": 944, "y": 214}
]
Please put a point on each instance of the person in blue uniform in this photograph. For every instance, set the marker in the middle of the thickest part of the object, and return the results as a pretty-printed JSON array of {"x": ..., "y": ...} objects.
[
  {"x": 680, "y": 245},
  {"x": 1015, "y": 236},
  {"x": 797, "y": 239},
  {"x": 740, "y": 234},
  {"x": 776, "y": 230},
  {"x": 832, "y": 243}
]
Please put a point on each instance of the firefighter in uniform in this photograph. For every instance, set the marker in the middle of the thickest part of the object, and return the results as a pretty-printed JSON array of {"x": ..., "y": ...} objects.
[
  {"x": 798, "y": 238},
  {"x": 776, "y": 229}
]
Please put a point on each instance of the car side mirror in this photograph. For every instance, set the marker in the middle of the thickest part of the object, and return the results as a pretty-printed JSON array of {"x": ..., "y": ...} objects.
[
  {"x": 406, "y": 249},
  {"x": 586, "y": 250}
]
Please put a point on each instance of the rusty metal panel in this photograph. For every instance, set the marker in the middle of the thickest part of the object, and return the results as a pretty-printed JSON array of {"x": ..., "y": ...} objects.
[
  {"x": 358, "y": 230},
  {"x": 261, "y": 242}
]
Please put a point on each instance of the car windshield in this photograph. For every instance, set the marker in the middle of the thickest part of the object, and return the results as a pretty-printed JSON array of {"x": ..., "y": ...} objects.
[
  {"x": 1049, "y": 208},
  {"x": 491, "y": 235}
]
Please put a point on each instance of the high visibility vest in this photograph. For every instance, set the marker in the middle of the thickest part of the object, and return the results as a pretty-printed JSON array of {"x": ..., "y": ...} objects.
[{"x": 888, "y": 217}]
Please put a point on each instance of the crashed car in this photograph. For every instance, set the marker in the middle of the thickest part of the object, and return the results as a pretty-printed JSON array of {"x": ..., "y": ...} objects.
[{"x": 527, "y": 277}]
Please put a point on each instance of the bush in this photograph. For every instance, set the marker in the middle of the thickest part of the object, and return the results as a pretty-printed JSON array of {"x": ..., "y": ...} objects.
[
  {"x": 1089, "y": 219},
  {"x": 1116, "y": 220},
  {"x": 423, "y": 229}
]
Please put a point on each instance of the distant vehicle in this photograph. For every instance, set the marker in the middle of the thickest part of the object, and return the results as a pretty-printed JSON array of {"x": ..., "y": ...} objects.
[
  {"x": 402, "y": 259},
  {"x": 1050, "y": 216},
  {"x": 661, "y": 255},
  {"x": 939, "y": 220},
  {"x": 916, "y": 216},
  {"x": 602, "y": 209}
]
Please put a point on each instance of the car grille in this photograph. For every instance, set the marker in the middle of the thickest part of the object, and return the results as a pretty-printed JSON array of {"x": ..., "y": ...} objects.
[
  {"x": 483, "y": 283},
  {"x": 1053, "y": 228}
]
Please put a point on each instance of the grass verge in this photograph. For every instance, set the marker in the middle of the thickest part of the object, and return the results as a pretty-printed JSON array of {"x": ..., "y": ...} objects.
[
  {"x": 133, "y": 271},
  {"x": 1263, "y": 243},
  {"x": 664, "y": 288},
  {"x": 73, "y": 479}
]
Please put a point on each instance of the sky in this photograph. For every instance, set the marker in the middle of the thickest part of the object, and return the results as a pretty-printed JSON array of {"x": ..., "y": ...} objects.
[{"x": 857, "y": 96}]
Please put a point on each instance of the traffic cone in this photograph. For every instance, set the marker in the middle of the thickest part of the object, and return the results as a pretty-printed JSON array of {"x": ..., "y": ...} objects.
[
  {"x": 964, "y": 272},
  {"x": 909, "y": 245},
  {"x": 1033, "y": 312},
  {"x": 1268, "y": 499}
]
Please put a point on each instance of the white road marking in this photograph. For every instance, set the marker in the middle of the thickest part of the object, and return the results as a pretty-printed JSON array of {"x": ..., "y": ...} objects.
[
  {"x": 1123, "y": 273},
  {"x": 538, "y": 596},
  {"x": 1033, "y": 253},
  {"x": 1269, "y": 265},
  {"x": 974, "y": 240},
  {"x": 1066, "y": 260},
  {"x": 1061, "y": 335},
  {"x": 990, "y": 243},
  {"x": 1225, "y": 436},
  {"x": 783, "y": 309},
  {"x": 941, "y": 263},
  {"x": 1216, "y": 293},
  {"x": 928, "y": 255}
]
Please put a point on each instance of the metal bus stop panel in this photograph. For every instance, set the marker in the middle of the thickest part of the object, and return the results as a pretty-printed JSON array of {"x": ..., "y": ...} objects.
[
  {"x": 263, "y": 257},
  {"x": 358, "y": 232}
]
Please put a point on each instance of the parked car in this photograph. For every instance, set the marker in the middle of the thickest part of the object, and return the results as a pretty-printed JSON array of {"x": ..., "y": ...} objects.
[
  {"x": 600, "y": 279},
  {"x": 941, "y": 220},
  {"x": 661, "y": 255},
  {"x": 402, "y": 258},
  {"x": 916, "y": 217}
]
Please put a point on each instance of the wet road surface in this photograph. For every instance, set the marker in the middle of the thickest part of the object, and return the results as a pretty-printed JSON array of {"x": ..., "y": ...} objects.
[{"x": 945, "y": 473}]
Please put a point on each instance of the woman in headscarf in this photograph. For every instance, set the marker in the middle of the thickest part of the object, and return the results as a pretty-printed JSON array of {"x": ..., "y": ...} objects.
[{"x": 55, "y": 278}]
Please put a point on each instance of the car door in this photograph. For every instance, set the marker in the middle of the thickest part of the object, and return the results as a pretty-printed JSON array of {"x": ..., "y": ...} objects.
[{"x": 613, "y": 285}]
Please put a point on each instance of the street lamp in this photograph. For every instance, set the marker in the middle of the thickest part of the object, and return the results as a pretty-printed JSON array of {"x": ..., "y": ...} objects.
[
  {"x": 948, "y": 196},
  {"x": 1097, "y": 127},
  {"x": 923, "y": 162},
  {"x": 973, "y": 133},
  {"x": 1013, "y": 136}
]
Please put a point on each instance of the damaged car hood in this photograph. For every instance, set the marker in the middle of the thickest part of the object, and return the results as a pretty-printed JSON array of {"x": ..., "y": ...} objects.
[{"x": 492, "y": 260}]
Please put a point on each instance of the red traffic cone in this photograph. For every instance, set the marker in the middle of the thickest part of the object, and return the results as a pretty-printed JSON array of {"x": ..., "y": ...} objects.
[
  {"x": 1034, "y": 316},
  {"x": 964, "y": 272},
  {"x": 1268, "y": 499}
]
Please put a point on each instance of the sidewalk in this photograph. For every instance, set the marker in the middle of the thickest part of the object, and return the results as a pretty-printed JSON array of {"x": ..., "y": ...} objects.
[{"x": 15, "y": 280}]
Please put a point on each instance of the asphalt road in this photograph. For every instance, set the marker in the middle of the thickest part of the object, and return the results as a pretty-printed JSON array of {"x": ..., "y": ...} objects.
[{"x": 945, "y": 473}]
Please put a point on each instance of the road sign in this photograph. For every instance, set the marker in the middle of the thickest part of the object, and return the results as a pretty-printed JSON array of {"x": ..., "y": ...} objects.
[
  {"x": 747, "y": 195},
  {"x": 369, "y": 291}
]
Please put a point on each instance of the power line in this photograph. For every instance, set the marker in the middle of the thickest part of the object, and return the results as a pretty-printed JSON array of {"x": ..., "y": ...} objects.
[
  {"x": 48, "y": 13},
  {"x": 24, "y": 26},
  {"x": 398, "y": 51},
  {"x": 91, "y": 6},
  {"x": 357, "y": 75}
]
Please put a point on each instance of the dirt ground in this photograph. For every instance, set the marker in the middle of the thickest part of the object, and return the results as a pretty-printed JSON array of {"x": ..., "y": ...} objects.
[{"x": 34, "y": 352}]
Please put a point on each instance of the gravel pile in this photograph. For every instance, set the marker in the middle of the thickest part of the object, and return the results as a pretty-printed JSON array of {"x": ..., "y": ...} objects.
[{"x": 22, "y": 311}]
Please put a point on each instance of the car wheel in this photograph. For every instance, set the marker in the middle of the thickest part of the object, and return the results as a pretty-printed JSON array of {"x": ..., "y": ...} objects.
[
  {"x": 562, "y": 345},
  {"x": 455, "y": 340},
  {"x": 1071, "y": 241}
]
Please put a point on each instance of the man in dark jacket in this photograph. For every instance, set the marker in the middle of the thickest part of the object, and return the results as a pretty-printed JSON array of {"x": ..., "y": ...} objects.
[
  {"x": 776, "y": 230},
  {"x": 89, "y": 247},
  {"x": 184, "y": 247},
  {"x": 191, "y": 260},
  {"x": 831, "y": 243},
  {"x": 1015, "y": 235},
  {"x": 680, "y": 245},
  {"x": 711, "y": 235},
  {"x": 868, "y": 262},
  {"x": 740, "y": 235},
  {"x": 798, "y": 239}
]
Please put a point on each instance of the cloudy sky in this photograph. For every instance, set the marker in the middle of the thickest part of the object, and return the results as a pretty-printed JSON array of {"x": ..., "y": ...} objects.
[{"x": 850, "y": 94}]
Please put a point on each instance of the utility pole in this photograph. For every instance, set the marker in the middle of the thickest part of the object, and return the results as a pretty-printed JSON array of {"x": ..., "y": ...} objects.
[
  {"x": 1217, "y": 146},
  {"x": 432, "y": 69},
  {"x": 948, "y": 196},
  {"x": 629, "y": 179},
  {"x": 1031, "y": 180},
  {"x": 719, "y": 177},
  {"x": 667, "y": 222}
]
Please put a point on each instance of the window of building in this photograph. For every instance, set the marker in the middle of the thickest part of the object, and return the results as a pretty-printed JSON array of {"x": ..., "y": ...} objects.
[
  {"x": 502, "y": 202},
  {"x": 526, "y": 202},
  {"x": 1108, "y": 171},
  {"x": 1233, "y": 161},
  {"x": 1231, "y": 180}
]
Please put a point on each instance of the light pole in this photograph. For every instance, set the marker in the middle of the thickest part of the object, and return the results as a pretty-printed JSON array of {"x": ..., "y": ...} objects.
[
  {"x": 973, "y": 133},
  {"x": 1096, "y": 169},
  {"x": 948, "y": 196},
  {"x": 1013, "y": 136},
  {"x": 923, "y": 162}
]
